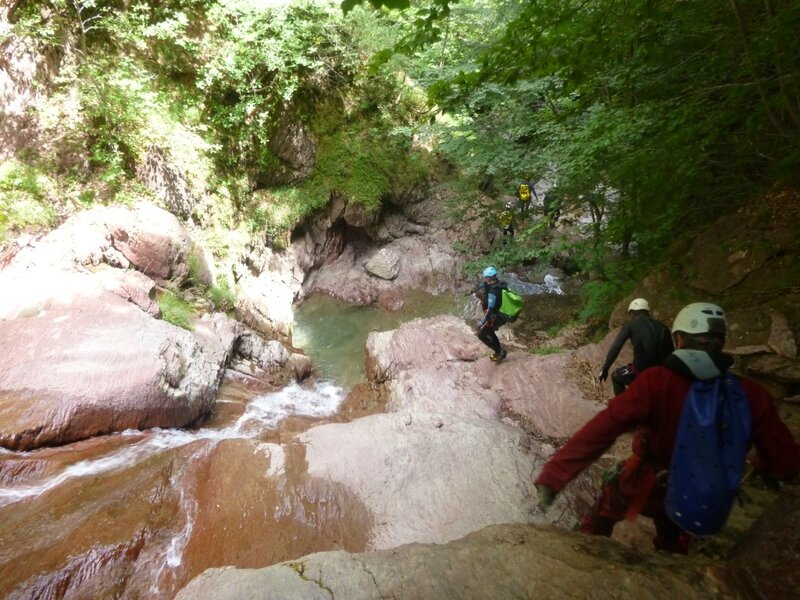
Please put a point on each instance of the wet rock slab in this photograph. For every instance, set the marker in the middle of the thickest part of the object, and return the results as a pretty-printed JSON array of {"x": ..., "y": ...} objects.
[
  {"x": 503, "y": 561},
  {"x": 439, "y": 365}
]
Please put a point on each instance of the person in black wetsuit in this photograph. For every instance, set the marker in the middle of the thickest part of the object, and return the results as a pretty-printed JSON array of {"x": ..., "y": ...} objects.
[
  {"x": 491, "y": 299},
  {"x": 651, "y": 341}
]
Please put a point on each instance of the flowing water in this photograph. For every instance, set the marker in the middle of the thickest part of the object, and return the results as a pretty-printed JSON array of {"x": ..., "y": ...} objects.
[
  {"x": 100, "y": 513},
  {"x": 138, "y": 514}
]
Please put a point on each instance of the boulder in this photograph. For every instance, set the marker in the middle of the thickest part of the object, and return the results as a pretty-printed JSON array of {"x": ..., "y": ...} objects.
[
  {"x": 158, "y": 173},
  {"x": 360, "y": 216},
  {"x": 776, "y": 367},
  {"x": 265, "y": 304},
  {"x": 31, "y": 293},
  {"x": 781, "y": 338},
  {"x": 88, "y": 355},
  {"x": 292, "y": 144},
  {"x": 146, "y": 238},
  {"x": 502, "y": 561},
  {"x": 89, "y": 363},
  {"x": 270, "y": 360},
  {"x": 384, "y": 264},
  {"x": 413, "y": 245}
]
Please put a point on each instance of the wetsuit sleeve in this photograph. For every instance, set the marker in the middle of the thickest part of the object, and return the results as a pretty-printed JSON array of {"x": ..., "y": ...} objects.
[
  {"x": 623, "y": 413},
  {"x": 620, "y": 340},
  {"x": 777, "y": 452},
  {"x": 491, "y": 305}
]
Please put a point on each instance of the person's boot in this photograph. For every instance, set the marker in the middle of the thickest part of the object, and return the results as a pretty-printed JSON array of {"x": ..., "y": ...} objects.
[{"x": 498, "y": 357}]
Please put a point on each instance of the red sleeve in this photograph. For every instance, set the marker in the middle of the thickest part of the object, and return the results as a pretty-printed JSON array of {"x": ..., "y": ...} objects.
[
  {"x": 623, "y": 413},
  {"x": 778, "y": 454}
]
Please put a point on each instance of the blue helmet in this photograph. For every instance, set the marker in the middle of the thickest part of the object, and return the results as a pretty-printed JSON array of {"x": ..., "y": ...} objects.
[{"x": 489, "y": 272}]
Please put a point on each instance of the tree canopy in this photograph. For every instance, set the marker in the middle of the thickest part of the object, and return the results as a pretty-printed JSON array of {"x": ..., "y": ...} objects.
[
  {"x": 652, "y": 116},
  {"x": 648, "y": 117}
]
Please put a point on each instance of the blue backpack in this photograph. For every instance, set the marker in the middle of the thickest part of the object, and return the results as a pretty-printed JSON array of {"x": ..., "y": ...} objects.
[{"x": 709, "y": 455}]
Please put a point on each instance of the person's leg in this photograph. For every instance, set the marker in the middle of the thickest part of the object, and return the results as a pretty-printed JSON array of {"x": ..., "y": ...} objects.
[
  {"x": 495, "y": 341},
  {"x": 488, "y": 336},
  {"x": 669, "y": 537},
  {"x": 602, "y": 517},
  {"x": 609, "y": 507}
]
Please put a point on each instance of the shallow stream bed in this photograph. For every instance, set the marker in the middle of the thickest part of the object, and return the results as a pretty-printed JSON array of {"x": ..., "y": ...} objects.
[{"x": 333, "y": 332}]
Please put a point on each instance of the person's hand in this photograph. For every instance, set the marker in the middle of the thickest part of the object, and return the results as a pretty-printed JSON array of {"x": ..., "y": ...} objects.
[
  {"x": 603, "y": 374},
  {"x": 546, "y": 497}
]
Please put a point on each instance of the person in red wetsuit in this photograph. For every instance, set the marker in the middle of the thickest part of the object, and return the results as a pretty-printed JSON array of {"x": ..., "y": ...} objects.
[{"x": 652, "y": 406}]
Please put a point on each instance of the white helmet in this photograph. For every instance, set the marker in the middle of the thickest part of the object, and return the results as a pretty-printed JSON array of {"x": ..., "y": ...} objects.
[
  {"x": 701, "y": 317},
  {"x": 639, "y": 304}
]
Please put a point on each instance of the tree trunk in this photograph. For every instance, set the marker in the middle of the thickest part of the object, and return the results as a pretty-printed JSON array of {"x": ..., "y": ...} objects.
[{"x": 737, "y": 10}]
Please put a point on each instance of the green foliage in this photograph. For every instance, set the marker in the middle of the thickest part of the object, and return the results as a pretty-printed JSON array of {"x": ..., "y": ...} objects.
[
  {"x": 652, "y": 117},
  {"x": 116, "y": 98},
  {"x": 196, "y": 266},
  {"x": 546, "y": 350},
  {"x": 364, "y": 164},
  {"x": 348, "y": 5},
  {"x": 460, "y": 247},
  {"x": 221, "y": 296},
  {"x": 175, "y": 310},
  {"x": 24, "y": 199},
  {"x": 615, "y": 278},
  {"x": 86, "y": 197},
  {"x": 555, "y": 329},
  {"x": 259, "y": 62}
]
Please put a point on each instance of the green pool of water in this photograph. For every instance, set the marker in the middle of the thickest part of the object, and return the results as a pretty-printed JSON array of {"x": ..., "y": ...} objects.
[{"x": 333, "y": 333}]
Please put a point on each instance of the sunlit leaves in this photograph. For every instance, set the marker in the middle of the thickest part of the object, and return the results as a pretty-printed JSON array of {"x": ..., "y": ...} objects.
[{"x": 348, "y": 5}]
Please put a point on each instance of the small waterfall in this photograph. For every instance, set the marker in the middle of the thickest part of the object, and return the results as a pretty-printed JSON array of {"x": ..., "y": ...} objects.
[
  {"x": 551, "y": 285},
  {"x": 266, "y": 411},
  {"x": 262, "y": 414}
]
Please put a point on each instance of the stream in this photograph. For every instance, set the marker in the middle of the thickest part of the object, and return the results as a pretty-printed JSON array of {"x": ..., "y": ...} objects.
[{"x": 138, "y": 514}]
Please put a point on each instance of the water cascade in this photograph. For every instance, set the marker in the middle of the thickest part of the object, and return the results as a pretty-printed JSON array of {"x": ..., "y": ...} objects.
[{"x": 142, "y": 512}]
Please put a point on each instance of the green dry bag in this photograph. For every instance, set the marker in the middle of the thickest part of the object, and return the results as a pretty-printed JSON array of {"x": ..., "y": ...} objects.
[{"x": 511, "y": 305}]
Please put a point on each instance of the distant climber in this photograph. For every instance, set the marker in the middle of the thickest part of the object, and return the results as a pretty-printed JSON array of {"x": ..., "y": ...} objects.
[
  {"x": 525, "y": 195},
  {"x": 654, "y": 406},
  {"x": 506, "y": 220},
  {"x": 651, "y": 345},
  {"x": 491, "y": 295}
]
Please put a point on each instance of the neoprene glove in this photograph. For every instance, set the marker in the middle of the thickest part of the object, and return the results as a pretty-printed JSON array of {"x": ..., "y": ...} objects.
[
  {"x": 603, "y": 374},
  {"x": 546, "y": 497}
]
